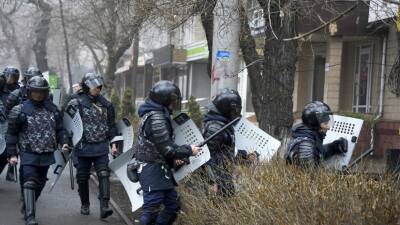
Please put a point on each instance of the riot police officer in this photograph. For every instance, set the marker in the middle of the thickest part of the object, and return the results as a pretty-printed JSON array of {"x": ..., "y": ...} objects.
[
  {"x": 98, "y": 118},
  {"x": 36, "y": 127},
  {"x": 19, "y": 94},
  {"x": 8, "y": 83},
  {"x": 225, "y": 107},
  {"x": 306, "y": 147},
  {"x": 158, "y": 154}
]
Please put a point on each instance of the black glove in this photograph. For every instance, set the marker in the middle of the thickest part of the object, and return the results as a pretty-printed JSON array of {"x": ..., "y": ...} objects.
[
  {"x": 132, "y": 170},
  {"x": 341, "y": 145}
]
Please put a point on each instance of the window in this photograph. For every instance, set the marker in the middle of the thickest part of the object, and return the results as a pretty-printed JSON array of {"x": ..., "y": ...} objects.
[{"x": 362, "y": 79}]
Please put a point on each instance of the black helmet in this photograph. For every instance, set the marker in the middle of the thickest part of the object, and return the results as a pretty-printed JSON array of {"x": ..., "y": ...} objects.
[
  {"x": 11, "y": 71},
  {"x": 165, "y": 93},
  {"x": 228, "y": 103},
  {"x": 315, "y": 113},
  {"x": 90, "y": 81},
  {"x": 31, "y": 72},
  {"x": 37, "y": 84}
]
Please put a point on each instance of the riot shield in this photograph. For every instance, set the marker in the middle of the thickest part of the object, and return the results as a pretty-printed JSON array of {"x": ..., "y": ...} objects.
[
  {"x": 250, "y": 138},
  {"x": 348, "y": 128},
  {"x": 3, "y": 132},
  {"x": 118, "y": 166},
  {"x": 125, "y": 135},
  {"x": 185, "y": 132},
  {"x": 73, "y": 125}
]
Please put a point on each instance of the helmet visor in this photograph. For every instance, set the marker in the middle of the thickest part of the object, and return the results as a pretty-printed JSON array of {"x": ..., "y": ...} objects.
[
  {"x": 325, "y": 118},
  {"x": 94, "y": 83}
]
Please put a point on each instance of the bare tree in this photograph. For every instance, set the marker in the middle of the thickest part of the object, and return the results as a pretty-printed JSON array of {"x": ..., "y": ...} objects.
[
  {"x": 13, "y": 41},
  {"x": 42, "y": 32},
  {"x": 111, "y": 25}
]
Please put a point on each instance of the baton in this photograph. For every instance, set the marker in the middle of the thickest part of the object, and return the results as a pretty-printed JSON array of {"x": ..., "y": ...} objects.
[
  {"x": 218, "y": 132},
  {"x": 71, "y": 172},
  {"x": 358, "y": 159}
]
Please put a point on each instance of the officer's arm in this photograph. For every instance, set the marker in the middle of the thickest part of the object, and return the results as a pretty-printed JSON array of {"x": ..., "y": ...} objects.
[
  {"x": 305, "y": 155},
  {"x": 12, "y": 100},
  {"x": 338, "y": 146},
  {"x": 214, "y": 145},
  {"x": 15, "y": 122},
  {"x": 111, "y": 122},
  {"x": 62, "y": 135},
  {"x": 3, "y": 114},
  {"x": 159, "y": 132}
]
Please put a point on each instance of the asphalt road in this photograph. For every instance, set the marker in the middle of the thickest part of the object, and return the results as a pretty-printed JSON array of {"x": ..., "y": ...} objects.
[{"x": 60, "y": 207}]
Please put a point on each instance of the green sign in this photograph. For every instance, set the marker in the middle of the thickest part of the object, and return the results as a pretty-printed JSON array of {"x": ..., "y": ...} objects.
[
  {"x": 53, "y": 81},
  {"x": 198, "y": 51}
]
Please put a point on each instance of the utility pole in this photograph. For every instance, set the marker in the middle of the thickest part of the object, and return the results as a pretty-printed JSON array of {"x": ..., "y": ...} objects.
[
  {"x": 66, "y": 46},
  {"x": 225, "y": 52}
]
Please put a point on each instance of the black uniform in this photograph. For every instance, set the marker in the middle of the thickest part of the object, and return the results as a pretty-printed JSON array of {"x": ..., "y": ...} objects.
[
  {"x": 225, "y": 107},
  {"x": 306, "y": 147},
  {"x": 157, "y": 152},
  {"x": 36, "y": 128},
  {"x": 99, "y": 128},
  {"x": 5, "y": 89}
]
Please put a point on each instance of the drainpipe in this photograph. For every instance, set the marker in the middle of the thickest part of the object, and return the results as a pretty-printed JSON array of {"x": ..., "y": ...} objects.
[{"x": 381, "y": 91}]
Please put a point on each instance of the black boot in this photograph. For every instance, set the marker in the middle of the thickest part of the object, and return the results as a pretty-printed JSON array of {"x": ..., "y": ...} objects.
[
  {"x": 29, "y": 199},
  {"x": 83, "y": 189},
  {"x": 104, "y": 195}
]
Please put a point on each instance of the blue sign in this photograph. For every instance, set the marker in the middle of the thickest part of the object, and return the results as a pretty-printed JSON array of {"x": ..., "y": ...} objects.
[{"x": 223, "y": 55}]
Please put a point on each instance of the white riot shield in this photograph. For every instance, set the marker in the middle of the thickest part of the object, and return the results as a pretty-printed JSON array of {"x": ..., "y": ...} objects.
[
  {"x": 125, "y": 129},
  {"x": 118, "y": 166},
  {"x": 61, "y": 161},
  {"x": 73, "y": 124},
  {"x": 3, "y": 132},
  {"x": 187, "y": 133},
  {"x": 348, "y": 128},
  {"x": 250, "y": 138}
]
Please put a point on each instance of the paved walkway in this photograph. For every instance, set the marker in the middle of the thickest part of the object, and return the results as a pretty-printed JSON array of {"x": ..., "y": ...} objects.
[{"x": 60, "y": 207}]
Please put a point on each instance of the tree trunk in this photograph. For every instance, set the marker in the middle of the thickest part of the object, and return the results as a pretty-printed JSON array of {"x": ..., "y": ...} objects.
[
  {"x": 42, "y": 31},
  {"x": 112, "y": 62},
  {"x": 277, "y": 81},
  {"x": 134, "y": 65},
  {"x": 207, "y": 20}
]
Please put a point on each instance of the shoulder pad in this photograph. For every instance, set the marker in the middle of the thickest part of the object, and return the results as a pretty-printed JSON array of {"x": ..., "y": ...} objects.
[
  {"x": 15, "y": 112},
  {"x": 160, "y": 128},
  {"x": 214, "y": 126},
  {"x": 74, "y": 102}
]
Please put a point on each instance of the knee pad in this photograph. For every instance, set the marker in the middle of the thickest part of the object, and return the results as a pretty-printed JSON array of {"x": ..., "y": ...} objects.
[
  {"x": 103, "y": 172},
  {"x": 82, "y": 177},
  {"x": 31, "y": 184}
]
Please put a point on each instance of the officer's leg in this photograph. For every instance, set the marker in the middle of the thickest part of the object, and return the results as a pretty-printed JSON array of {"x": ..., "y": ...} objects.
[
  {"x": 171, "y": 209},
  {"x": 103, "y": 173},
  {"x": 31, "y": 184},
  {"x": 3, "y": 161},
  {"x": 82, "y": 178},
  {"x": 21, "y": 184},
  {"x": 151, "y": 206},
  {"x": 42, "y": 179}
]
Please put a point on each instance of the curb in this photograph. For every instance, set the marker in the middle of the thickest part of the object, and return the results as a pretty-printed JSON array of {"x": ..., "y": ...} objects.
[{"x": 123, "y": 216}]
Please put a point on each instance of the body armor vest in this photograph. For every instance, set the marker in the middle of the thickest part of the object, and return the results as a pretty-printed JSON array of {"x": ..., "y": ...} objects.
[
  {"x": 95, "y": 125},
  {"x": 145, "y": 150},
  {"x": 39, "y": 134}
]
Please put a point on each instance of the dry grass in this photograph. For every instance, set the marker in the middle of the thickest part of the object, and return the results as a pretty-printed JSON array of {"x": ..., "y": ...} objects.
[{"x": 279, "y": 194}]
